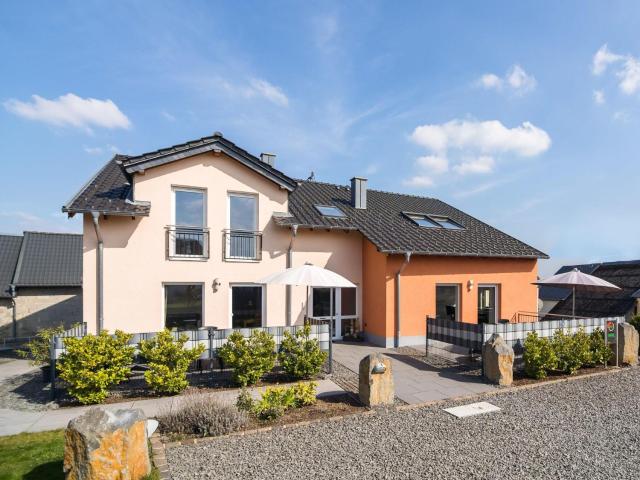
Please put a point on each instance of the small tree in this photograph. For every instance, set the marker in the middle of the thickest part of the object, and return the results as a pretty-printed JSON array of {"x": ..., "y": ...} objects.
[
  {"x": 539, "y": 357},
  {"x": 250, "y": 358},
  {"x": 300, "y": 356},
  {"x": 94, "y": 363},
  {"x": 168, "y": 361},
  {"x": 37, "y": 350}
]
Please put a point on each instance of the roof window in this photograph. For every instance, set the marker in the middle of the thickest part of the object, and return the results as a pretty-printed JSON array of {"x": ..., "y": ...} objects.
[
  {"x": 434, "y": 221},
  {"x": 330, "y": 211}
]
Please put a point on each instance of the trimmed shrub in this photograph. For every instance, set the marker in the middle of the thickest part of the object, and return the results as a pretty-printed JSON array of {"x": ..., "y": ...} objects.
[
  {"x": 94, "y": 363},
  {"x": 273, "y": 403},
  {"x": 600, "y": 351},
  {"x": 249, "y": 358},
  {"x": 168, "y": 361},
  {"x": 539, "y": 356},
  {"x": 37, "y": 350},
  {"x": 201, "y": 415},
  {"x": 244, "y": 402},
  {"x": 568, "y": 352},
  {"x": 304, "y": 393},
  {"x": 300, "y": 356}
]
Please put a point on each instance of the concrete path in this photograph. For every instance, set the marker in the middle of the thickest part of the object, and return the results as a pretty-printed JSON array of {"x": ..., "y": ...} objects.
[
  {"x": 18, "y": 421},
  {"x": 415, "y": 381}
]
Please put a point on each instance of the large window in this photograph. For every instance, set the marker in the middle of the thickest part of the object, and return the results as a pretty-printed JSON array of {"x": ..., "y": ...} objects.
[
  {"x": 447, "y": 302},
  {"x": 242, "y": 240},
  {"x": 246, "y": 306},
  {"x": 188, "y": 236},
  {"x": 183, "y": 306}
]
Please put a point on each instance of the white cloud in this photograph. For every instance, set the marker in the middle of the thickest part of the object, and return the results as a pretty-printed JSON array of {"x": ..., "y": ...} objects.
[
  {"x": 598, "y": 97},
  {"x": 268, "y": 91},
  {"x": 491, "y": 136},
  {"x": 433, "y": 163},
  {"x": 602, "y": 58},
  {"x": 482, "y": 164},
  {"x": 419, "y": 181},
  {"x": 630, "y": 76},
  {"x": 70, "y": 110},
  {"x": 621, "y": 116},
  {"x": 101, "y": 150},
  {"x": 168, "y": 116},
  {"x": 516, "y": 79}
]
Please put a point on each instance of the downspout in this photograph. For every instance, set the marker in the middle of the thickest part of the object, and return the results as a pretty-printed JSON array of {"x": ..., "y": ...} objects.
[
  {"x": 407, "y": 259},
  {"x": 99, "y": 272},
  {"x": 14, "y": 315},
  {"x": 294, "y": 232}
]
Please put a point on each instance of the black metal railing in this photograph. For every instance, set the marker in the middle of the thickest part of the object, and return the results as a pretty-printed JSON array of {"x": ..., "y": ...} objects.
[
  {"x": 523, "y": 317},
  {"x": 187, "y": 242},
  {"x": 242, "y": 245}
]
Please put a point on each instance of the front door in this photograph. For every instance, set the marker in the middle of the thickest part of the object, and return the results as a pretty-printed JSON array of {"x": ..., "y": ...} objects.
[
  {"x": 487, "y": 301},
  {"x": 246, "y": 306}
]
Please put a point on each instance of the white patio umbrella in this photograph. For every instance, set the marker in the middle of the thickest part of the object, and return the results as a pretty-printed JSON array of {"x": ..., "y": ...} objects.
[{"x": 578, "y": 280}]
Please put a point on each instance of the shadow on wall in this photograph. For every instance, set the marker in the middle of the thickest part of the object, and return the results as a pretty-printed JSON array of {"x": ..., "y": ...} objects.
[{"x": 65, "y": 312}]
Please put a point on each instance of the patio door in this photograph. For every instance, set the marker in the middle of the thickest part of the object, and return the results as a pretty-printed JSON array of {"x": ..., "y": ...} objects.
[
  {"x": 247, "y": 307},
  {"x": 487, "y": 304},
  {"x": 338, "y": 305}
]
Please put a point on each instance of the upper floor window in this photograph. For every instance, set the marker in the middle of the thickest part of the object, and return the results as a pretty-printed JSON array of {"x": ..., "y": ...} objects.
[
  {"x": 188, "y": 236},
  {"x": 243, "y": 241},
  {"x": 330, "y": 211},
  {"x": 434, "y": 221}
]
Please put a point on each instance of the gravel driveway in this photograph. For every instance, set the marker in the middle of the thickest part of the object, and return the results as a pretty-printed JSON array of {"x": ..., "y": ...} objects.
[{"x": 587, "y": 428}]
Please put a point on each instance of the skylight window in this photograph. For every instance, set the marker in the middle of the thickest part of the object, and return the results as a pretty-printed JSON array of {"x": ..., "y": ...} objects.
[
  {"x": 330, "y": 211},
  {"x": 433, "y": 221}
]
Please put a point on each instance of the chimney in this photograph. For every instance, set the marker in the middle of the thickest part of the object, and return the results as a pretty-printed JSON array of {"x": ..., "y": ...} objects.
[
  {"x": 359, "y": 192},
  {"x": 268, "y": 158}
]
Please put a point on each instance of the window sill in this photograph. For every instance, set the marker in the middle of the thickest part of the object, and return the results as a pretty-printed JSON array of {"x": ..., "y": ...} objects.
[
  {"x": 242, "y": 260},
  {"x": 186, "y": 258}
]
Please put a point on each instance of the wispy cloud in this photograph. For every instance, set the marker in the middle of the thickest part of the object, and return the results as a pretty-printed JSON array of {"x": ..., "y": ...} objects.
[
  {"x": 482, "y": 164},
  {"x": 253, "y": 88},
  {"x": 598, "y": 97},
  {"x": 70, "y": 110},
  {"x": 167, "y": 116},
  {"x": 101, "y": 150},
  {"x": 419, "y": 181},
  {"x": 325, "y": 30},
  {"x": 628, "y": 72},
  {"x": 484, "y": 187},
  {"x": 516, "y": 80}
]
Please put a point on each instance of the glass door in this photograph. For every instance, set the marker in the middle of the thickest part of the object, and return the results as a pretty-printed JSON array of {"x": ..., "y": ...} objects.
[
  {"x": 340, "y": 308},
  {"x": 246, "y": 306},
  {"x": 487, "y": 301}
]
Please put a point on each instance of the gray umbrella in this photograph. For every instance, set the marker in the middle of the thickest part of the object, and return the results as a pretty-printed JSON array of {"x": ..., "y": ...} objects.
[{"x": 575, "y": 279}]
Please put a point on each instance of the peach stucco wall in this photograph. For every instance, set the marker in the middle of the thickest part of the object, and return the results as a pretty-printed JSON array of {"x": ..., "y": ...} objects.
[
  {"x": 514, "y": 278},
  {"x": 135, "y": 261}
]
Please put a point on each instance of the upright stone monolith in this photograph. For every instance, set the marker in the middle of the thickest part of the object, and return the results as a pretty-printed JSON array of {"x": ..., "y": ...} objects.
[
  {"x": 104, "y": 445},
  {"x": 376, "y": 381},
  {"x": 628, "y": 340},
  {"x": 497, "y": 361}
]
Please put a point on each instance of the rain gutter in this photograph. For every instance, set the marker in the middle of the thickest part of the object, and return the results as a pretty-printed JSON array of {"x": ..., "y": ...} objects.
[
  {"x": 99, "y": 271},
  {"x": 294, "y": 232}
]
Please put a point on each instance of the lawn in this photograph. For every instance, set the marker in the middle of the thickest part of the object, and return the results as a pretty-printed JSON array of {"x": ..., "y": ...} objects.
[{"x": 32, "y": 456}]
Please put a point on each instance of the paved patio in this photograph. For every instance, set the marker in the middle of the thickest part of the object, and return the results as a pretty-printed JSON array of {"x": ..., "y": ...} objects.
[{"x": 418, "y": 379}]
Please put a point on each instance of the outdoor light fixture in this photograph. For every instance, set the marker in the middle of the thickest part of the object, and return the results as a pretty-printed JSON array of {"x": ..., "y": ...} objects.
[
  {"x": 470, "y": 285},
  {"x": 216, "y": 283},
  {"x": 379, "y": 368}
]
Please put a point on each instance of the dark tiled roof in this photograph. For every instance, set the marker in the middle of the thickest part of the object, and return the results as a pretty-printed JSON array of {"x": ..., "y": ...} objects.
[
  {"x": 559, "y": 293},
  {"x": 109, "y": 191},
  {"x": 49, "y": 260},
  {"x": 384, "y": 224},
  {"x": 625, "y": 275},
  {"x": 9, "y": 252}
]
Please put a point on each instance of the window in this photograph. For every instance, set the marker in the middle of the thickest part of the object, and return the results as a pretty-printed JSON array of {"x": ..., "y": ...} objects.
[
  {"x": 322, "y": 302},
  {"x": 348, "y": 301},
  {"x": 242, "y": 239},
  {"x": 447, "y": 302},
  {"x": 433, "y": 221},
  {"x": 189, "y": 208},
  {"x": 446, "y": 222},
  {"x": 188, "y": 236},
  {"x": 246, "y": 306},
  {"x": 330, "y": 211},
  {"x": 183, "y": 306},
  {"x": 423, "y": 221}
]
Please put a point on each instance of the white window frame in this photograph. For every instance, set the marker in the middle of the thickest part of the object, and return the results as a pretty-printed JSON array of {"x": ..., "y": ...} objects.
[
  {"x": 163, "y": 318},
  {"x": 256, "y": 220},
  {"x": 337, "y": 308},
  {"x": 458, "y": 297},
  {"x": 172, "y": 243},
  {"x": 264, "y": 301}
]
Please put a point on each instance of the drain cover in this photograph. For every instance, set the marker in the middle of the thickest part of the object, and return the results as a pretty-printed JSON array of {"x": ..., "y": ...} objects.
[{"x": 472, "y": 409}]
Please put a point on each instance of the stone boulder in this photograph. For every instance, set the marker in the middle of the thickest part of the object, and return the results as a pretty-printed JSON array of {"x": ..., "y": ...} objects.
[
  {"x": 497, "y": 359},
  {"x": 628, "y": 340},
  {"x": 376, "y": 381},
  {"x": 101, "y": 445}
]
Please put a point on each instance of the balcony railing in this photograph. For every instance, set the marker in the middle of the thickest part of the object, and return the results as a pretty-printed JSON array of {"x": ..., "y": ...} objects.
[
  {"x": 242, "y": 245},
  {"x": 187, "y": 242}
]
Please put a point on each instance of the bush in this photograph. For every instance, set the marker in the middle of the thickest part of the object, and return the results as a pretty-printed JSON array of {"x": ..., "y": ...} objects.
[
  {"x": 37, "y": 350},
  {"x": 539, "y": 357},
  {"x": 168, "y": 361},
  {"x": 568, "y": 351},
  {"x": 300, "y": 356},
  {"x": 600, "y": 351},
  {"x": 93, "y": 363},
  {"x": 273, "y": 403},
  {"x": 244, "y": 402},
  {"x": 250, "y": 358},
  {"x": 304, "y": 393},
  {"x": 202, "y": 415}
]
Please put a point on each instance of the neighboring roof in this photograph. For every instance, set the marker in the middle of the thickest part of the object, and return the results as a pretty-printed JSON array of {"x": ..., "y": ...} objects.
[
  {"x": 555, "y": 294},
  {"x": 385, "y": 224},
  {"x": 625, "y": 275},
  {"x": 49, "y": 260},
  {"x": 9, "y": 252},
  {"x": 110, "y": 191}
]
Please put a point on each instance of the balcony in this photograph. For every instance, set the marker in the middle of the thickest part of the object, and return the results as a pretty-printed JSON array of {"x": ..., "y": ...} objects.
[
  {"x": 241, "y": 245},
  {"x": 187, "y": 243}
]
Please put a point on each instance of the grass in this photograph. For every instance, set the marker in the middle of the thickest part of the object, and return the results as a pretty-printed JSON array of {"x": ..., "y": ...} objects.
[
  {"x": 36, "y": 456},
  {"x": 30, "y": 456}
]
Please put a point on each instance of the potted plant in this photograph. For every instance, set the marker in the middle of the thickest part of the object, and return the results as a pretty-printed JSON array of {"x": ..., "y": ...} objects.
[{"x": 37, "y": 350}]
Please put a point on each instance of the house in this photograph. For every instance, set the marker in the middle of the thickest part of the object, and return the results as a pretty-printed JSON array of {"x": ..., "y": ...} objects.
[
  {"x": 179, "y": 237},
  {"x": 548, "y": 297},
  {"x": 40, "y": 282},
  {"x": 620, "y": 303}
]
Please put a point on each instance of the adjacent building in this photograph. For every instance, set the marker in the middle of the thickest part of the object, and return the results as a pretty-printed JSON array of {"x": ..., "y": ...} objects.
[{"x": 179, "y": 238}]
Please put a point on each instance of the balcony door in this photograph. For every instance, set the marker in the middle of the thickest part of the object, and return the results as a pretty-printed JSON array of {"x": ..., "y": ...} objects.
[
  {"x": 242, "y": 238},
  {"x": 340, "y": 308},
  {"x": 247, "y": 306},
  {"x": 187, "y": 235}
]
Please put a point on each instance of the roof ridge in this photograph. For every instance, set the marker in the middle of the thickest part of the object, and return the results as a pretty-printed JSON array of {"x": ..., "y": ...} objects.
[
  {"x": 52, "y": 233},
  {"x": 348, "y": 187}
]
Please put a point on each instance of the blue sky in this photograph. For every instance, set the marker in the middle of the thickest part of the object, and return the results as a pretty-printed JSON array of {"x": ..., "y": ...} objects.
[{"x": 524, "y": 114}]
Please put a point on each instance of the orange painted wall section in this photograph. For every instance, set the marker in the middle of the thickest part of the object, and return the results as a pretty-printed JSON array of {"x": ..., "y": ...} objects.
[{"x": 374, "y": 292}]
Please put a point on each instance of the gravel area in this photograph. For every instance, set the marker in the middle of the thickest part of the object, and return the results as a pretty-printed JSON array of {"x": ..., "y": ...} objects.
[
  {"x": 586, "y": 428},
  {"x": 26, "y": 392}
]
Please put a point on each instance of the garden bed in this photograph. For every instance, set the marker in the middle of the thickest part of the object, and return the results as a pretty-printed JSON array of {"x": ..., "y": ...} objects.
[{"x": 520, "y": 377}]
